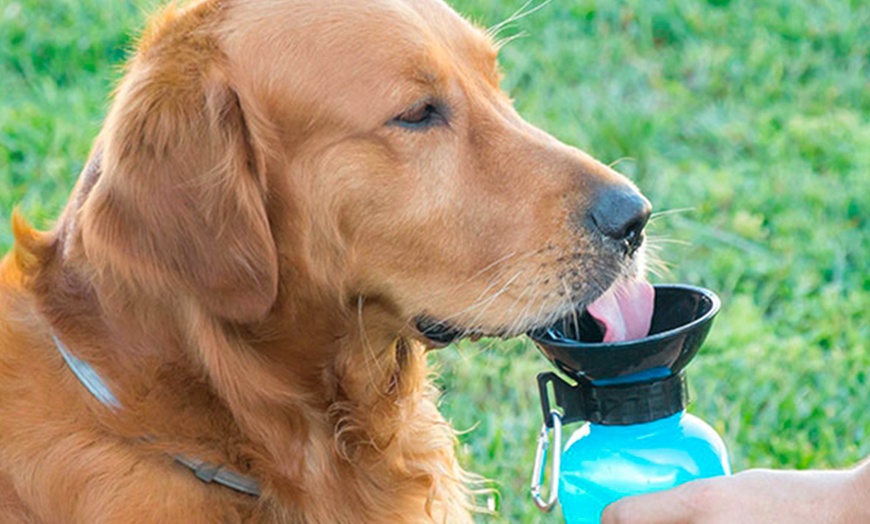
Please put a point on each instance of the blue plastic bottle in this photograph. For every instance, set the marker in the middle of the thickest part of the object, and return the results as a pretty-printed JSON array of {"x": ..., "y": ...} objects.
[
  {"x": 639, "y": 440},
  {"x": 601, "y": 463}
]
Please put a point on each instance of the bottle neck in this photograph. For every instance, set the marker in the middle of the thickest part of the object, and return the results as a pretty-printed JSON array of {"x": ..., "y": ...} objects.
[
  {"x": 616, "y": 404},
  {"x": 638, "y": 430}
]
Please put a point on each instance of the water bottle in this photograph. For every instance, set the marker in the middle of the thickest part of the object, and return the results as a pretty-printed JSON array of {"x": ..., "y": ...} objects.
[{"x": 632, "y": 395}]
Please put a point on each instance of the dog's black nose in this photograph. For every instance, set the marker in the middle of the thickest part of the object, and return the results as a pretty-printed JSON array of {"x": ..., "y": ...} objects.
[{"x": 621, "y": 213}]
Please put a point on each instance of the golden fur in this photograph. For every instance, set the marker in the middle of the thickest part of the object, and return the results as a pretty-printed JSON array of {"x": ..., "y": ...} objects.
[{"x": 244, "y": 255}]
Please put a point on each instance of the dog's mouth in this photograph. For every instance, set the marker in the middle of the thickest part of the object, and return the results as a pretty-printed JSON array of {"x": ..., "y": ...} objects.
[
  {"x": 442, "y": 333},
  {"x": 622, "y": 312}
]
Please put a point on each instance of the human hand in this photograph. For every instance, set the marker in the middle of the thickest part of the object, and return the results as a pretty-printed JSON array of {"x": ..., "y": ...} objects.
[{"x": 754, "y": 497}]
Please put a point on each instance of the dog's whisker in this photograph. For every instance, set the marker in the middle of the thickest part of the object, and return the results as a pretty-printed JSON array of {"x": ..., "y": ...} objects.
[
  {"x": 475, "y": 321},
  {"x": 502, "y": 42},
  {"x": 660, "y": 271},
  {"x": 668, "y": 212},
  {"x": 488, "y": 267},
  {"x": 483, "y": 296},
  {"x": 621, "y": 160},
  {"x": 545, "y": 319},
  {"x": 525, "y": 321},
  {"x": 497, "y": 267},
  {"x": 519, "y": 14},
  {"x": 519, "y": 301},
  {"x": 574, "y": 318},
  {"x": 656, "y": 265},
  {"x": 656, "y": 243},
  {"x": 484, "y": 306}
]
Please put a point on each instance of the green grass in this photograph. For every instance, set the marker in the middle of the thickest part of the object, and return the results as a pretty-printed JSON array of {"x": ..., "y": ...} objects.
[{"x": 752, "y": 117}]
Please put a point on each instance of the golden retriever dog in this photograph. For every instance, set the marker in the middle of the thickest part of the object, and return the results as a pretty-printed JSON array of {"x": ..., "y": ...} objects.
[{"x": 289, "y": 203}]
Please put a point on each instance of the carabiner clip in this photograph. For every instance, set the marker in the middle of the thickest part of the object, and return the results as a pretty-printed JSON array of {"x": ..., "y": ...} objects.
[{"x": 547, "y": 504}]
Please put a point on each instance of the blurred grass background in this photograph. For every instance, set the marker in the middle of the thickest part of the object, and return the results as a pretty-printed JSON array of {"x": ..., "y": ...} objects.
[{"x": 751, "y": 120}]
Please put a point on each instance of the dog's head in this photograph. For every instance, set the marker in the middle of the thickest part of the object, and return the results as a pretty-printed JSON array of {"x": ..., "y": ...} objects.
[{"x": 353, "y": 151}]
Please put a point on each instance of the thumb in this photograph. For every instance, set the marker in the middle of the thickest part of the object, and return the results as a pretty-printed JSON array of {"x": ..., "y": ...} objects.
[{"x": 663, "y": 507}]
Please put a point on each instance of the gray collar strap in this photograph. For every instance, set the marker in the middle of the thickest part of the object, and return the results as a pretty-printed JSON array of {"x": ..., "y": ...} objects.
[{"x": 204, "y": 471}]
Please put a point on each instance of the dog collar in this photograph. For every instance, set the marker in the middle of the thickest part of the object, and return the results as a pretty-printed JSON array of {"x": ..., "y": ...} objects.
[{"x": 204, "y": 471}]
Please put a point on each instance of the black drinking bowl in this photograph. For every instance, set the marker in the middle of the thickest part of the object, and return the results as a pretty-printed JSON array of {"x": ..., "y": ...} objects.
[{"x": 682, "y": 317}]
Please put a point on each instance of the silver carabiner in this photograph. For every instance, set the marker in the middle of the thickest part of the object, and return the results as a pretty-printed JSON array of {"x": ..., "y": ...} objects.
[{"x": 547, "y": 504}]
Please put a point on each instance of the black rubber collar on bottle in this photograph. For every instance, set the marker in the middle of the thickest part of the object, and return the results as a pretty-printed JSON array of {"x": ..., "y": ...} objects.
[{"x": 613, "y": 405}]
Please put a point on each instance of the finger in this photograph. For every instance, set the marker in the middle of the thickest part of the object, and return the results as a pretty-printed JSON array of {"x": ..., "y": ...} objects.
[{"x": 665, "y": 507}]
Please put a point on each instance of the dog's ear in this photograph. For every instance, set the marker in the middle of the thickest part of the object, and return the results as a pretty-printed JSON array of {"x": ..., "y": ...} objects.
[{"x": 180, "y": 204}]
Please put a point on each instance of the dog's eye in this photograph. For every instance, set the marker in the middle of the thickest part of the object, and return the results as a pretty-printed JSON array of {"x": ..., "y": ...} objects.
[{"x": 421, "y": 115}]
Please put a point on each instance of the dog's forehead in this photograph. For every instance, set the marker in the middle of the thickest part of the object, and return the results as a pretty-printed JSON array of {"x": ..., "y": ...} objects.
[{"x": 358, "y": 53}]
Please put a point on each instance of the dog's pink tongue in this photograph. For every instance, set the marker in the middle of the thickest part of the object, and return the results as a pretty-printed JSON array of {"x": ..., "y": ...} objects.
[{"x": 625, "y": 311}]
